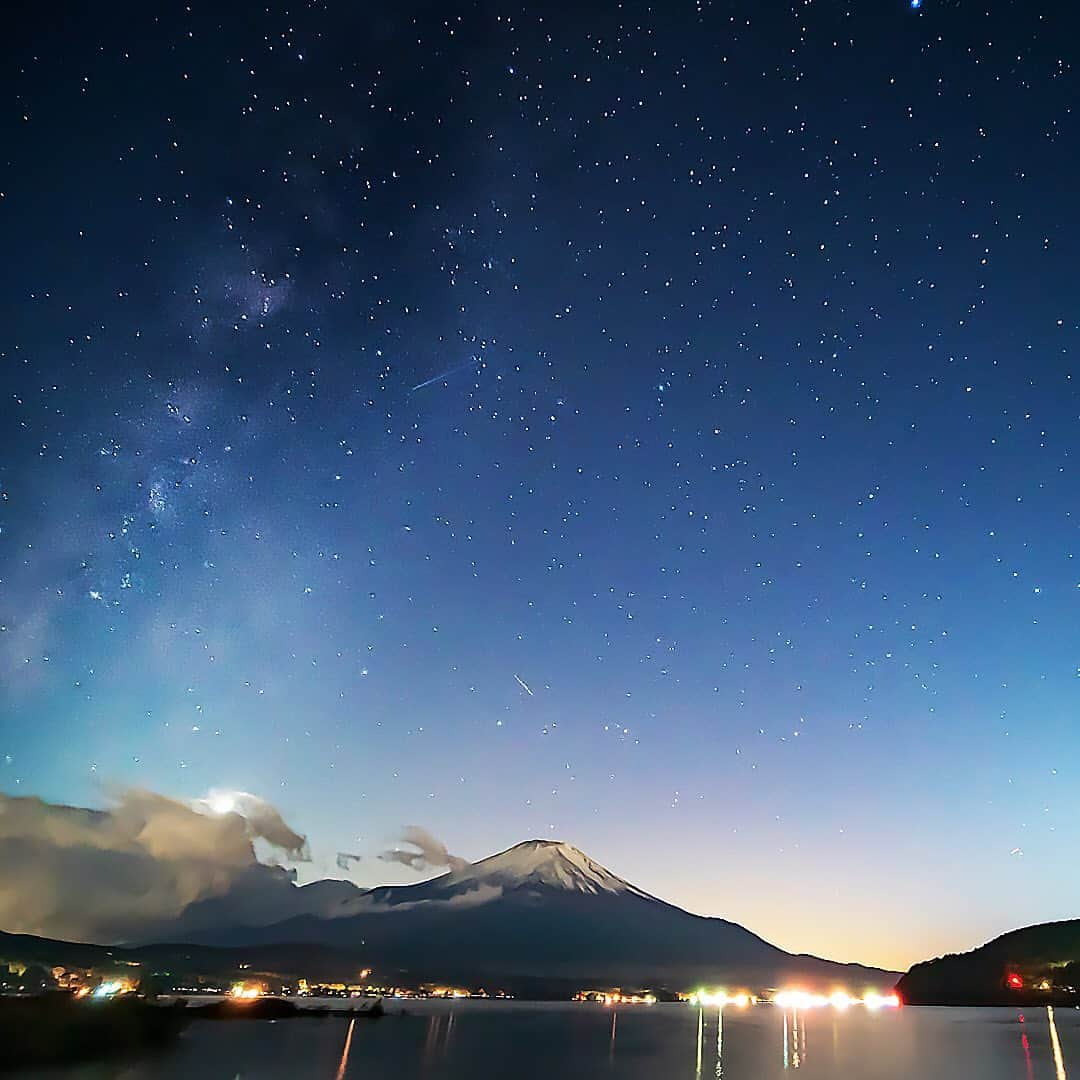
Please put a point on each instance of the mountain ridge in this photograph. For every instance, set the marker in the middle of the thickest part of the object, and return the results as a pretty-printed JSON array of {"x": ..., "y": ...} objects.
[
  {"x": 541, "y": 908},
  {"x": 1044, "y": 957}
]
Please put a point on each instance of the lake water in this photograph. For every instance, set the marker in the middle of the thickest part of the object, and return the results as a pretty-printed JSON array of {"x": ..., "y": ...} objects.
[{"x": 523, "y": 1041}]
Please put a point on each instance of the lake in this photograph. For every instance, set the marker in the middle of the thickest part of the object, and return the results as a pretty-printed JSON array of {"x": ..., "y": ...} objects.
[{"x": 436, "y": 1040}]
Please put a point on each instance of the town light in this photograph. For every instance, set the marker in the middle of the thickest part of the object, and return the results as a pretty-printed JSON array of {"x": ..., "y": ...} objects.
[
  {"x": 840, "y": 1000},
  {"x": 795, "y": 999}
]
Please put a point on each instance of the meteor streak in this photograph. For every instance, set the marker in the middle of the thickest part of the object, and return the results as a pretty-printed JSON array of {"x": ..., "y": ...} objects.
[{"x": 448, "y": 372}]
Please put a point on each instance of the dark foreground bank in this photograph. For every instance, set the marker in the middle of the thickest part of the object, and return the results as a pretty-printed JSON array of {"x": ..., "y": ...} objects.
[
  {"x": 58, "y": 1029},
  {"x": 55, "y": 1029}
]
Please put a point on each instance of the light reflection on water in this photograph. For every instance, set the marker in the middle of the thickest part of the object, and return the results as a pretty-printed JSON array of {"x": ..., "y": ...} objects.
[
  {"x": 1055, "y": 1044},
  {"x": 700, "y": 1041},
  {"x": 1027, "y": 1050},
  {"x": 343, "y": 1064},
  {"x": 795, "y": 1049},
  {"x": 720, "y": 1044},
  {"x": 497, "y": 1040}
]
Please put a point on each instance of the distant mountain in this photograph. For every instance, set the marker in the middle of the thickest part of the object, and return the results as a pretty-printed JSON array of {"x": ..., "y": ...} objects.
[
  {"x": 543, "y": 910},
  {"x": 182, "y": 961},
  {"x": 1035, "y": 964},
  {"x": 256, "y": 898}
]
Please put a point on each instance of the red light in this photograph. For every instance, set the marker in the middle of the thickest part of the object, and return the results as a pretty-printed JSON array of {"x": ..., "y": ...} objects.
[{"x": 1014, "y": 982}]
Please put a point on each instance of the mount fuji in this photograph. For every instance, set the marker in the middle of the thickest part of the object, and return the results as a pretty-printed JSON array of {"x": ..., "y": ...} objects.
[{"x": 540, "y": 912}]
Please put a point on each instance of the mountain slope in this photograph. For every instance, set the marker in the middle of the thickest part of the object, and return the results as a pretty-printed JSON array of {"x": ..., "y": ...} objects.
[
  {"x": 546, "y": 910},
  {"x": 535, "y": 864},
  {"x": 1048, "y": 953},
  {"x": 259, "y": 900}
]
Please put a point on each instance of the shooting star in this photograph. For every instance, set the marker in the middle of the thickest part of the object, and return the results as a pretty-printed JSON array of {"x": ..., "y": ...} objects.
[
  {"x": 524, "y": 685},
  {"x": 448, "y": 372}
]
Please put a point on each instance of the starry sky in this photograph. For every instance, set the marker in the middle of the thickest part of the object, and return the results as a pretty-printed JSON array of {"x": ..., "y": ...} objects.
[{"x": 647, "y": 426}]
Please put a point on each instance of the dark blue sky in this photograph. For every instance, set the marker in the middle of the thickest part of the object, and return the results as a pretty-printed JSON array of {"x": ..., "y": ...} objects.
[{"x": 650, "y": 426}]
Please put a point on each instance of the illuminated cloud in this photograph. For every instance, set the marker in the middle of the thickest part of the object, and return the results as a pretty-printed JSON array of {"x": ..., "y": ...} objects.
[
  {"x": 430, "y": 853},
  {"x": 263, "y": 820},
  {"x": 116, "y": 874}
]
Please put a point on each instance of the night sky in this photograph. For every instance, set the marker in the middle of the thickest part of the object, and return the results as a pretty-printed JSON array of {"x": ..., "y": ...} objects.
[{"x": 651, "y": 427}]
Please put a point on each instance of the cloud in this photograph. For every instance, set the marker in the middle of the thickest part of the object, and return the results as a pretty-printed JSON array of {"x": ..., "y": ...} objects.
[
  {"x": 430, "y": 854},
  {"x": 115, "y": 874},
  {"x": 151, "y": 868},
  {"x": 345, "y": 859},
  {"x": 482, "y": 894},
  {"x": 262, "y": 819}
]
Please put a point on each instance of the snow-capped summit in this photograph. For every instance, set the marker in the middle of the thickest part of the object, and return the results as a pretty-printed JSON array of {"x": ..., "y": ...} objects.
[
  {"x": 541, "y": 863},
  {"x": 543, "y": 910}
]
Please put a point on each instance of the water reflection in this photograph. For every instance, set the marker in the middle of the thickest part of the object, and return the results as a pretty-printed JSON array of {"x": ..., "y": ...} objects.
[
  {"x": 1055, "y": 1045},
  {"x": 701, "y": 1031},
  {"x": 720, "y": 1045},
  {"x": 700, "y": 1041},
  {"x": 343, "y": 1064},
  {"x": 436, "y": 1041},
  {"x": 794, "y": 1049},
  {"x": 1026, "y": 1044},
  {"x": 439, "y": 1030}
]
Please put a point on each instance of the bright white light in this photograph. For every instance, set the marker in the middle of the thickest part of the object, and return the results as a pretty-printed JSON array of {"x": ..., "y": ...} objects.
[
  {"x": 840, "y": 1000},
  {"x": 222, "y": 804},
  {"x": 710, "y": 998},
  {"x": 717, "y": 999}
]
